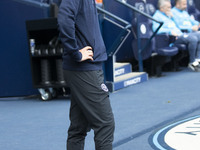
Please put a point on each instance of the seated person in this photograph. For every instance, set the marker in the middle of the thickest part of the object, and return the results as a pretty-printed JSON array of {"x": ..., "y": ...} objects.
[
  {"x": 181, "y": 17},
  {"x": 164, "y": 14},
  {"x": 184, "y": 21}
]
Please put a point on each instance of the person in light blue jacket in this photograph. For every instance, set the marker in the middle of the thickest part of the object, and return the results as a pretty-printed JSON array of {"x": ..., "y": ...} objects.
[
  {"x": 185, "y": 22},
  {"x": 181, "y": 17},
  {"x": 164, "y": 14}
]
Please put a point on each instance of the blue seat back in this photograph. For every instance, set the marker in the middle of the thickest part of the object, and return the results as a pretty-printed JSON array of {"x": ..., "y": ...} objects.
[{"x": 142, "y": 29}]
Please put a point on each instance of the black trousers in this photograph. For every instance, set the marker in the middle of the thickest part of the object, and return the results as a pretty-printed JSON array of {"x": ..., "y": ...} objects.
[{"x": 90, "y": 109}]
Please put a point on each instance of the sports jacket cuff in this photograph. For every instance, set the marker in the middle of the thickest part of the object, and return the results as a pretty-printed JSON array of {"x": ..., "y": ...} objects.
[{"x": 77, "y": 56}]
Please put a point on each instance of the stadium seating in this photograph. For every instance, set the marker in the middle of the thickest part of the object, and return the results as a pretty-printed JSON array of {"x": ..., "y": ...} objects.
[
  {"x": 192, "y": 10},
  {"x": 159, "y": 51}
]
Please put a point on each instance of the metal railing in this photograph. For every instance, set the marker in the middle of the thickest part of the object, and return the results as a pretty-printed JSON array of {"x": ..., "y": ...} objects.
[
  {"x": 123, "y": 34},
  {"x": 118, "y": 42}
]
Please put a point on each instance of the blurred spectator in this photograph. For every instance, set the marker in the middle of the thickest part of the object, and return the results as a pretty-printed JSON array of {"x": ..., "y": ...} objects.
[
  {"x": 185, "y": 22},
  {"x": 181, "y": 17},
  {"x": 99, "y": 3},
  {"x": 197, "y": 4},
  {"x": 164, "y": 14}
]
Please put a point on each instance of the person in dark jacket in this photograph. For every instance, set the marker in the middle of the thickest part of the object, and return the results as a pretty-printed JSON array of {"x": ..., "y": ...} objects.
[{"x": 84, "y": 54}]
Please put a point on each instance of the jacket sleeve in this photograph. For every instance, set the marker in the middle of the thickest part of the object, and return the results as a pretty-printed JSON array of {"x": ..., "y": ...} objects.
[
  {"x": 194, "y": 22},
  {"x": 155, "y": 25},
  {"x": 183, "y": 20},
  {"x": 66, "y": 22}
]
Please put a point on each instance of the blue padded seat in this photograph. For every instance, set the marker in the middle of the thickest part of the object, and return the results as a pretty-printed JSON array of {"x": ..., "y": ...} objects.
[
  {"x": 181, "y": 47},
  {"x": 163, "y": 45},
  {"x": 167, "y": 51}
]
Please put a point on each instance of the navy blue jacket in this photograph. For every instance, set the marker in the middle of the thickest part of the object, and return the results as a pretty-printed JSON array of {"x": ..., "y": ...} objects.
[{"x": 79, "y": 27}]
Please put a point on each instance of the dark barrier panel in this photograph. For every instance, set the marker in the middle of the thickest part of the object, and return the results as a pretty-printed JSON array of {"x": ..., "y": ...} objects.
[
  {"x": 15, "y": 72},
  {"x": 111, "y": 31}
]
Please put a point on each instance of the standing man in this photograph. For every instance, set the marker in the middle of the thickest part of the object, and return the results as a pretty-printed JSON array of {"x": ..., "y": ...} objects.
[
  {"x": 164, "y": 14},
  {"x": 84, "y": 53}
]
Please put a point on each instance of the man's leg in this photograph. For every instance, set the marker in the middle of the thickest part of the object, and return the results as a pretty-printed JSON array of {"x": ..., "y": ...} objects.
[
  {"x": 78, "y": 128},
  {"x": 197, "y": 34},
  {"x": 78, "y": 124},
  {"x": 192, "y": 42},
  {"x": 92, "y": 97}
]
